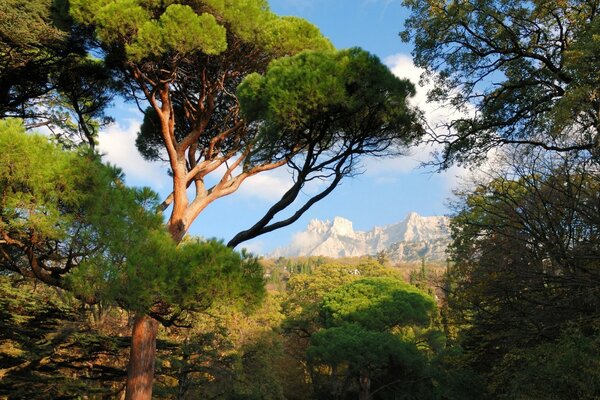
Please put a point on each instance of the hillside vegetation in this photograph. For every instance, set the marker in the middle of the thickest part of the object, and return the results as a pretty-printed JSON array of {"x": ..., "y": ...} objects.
[{"x": 104, "y": 293}]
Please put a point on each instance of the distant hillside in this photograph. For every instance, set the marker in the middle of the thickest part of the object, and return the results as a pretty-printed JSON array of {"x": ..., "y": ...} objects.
[{"x": 410, "y": 240}]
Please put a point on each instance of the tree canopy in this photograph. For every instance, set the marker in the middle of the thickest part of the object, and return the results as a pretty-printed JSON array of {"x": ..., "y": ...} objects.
[
  {"x": 525, "y": 269},
  {"x": 46, "y": 75},
  {"x": 525, "y": 72},
  {"x": 195, "y": 72},
  {"x": 186, "y": 83},
  {"x": 364, "y": 340},
  {"x": 322, "y": 112},
  {"x": 524, "y": 272},
  {"x": 199, "y": 121},
  {"x": 61, "y": 208},
  {"x": 377, "y": 304},
  {"x": 69, "y": 221}
]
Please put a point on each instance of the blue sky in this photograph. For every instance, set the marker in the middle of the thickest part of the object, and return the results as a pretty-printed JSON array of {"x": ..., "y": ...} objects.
[
  {"x": 371, "y": 24},
  {"x": 384, "y": 193}
]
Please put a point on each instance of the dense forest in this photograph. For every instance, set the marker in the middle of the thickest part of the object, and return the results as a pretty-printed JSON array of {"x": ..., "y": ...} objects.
[{"x": 104, "y": 293}]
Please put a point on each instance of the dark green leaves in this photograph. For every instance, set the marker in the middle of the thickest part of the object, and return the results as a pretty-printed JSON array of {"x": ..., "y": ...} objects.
[
  {"x": 363, "y": 349},
  {"x": 192, "y": 276},
  {"x": 61, "y": 207},
  {"x": 525, "y": 273},
  {"x": 519, "y": 69},
  {"x": 130, "y": 24},
  {"x": 322, "y": 99},
  {"x": 297, "y": 91},
  {"x": 369, "y": 332},
  {"x": 69, "y": 221},
  {"x": 46, "y": 76}
]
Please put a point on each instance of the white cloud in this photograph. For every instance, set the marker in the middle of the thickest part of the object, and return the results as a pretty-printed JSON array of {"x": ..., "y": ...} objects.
[
  {"x": 268, "y": 185},
  {"x": 256, "y": 246},
  {"x": 402, "y": 164},
  {"x": 402, "y": 66},
  {"x": 117, "y": 143},
  {"x": 387, "y": 170}
]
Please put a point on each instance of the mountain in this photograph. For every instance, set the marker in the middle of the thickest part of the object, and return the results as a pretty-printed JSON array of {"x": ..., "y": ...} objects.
[{"x": 409, "y": 240}]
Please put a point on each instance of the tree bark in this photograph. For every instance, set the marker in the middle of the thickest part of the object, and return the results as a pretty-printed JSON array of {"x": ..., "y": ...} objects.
[
  {"x": 364, "y": 382},
  {"x": 140, "y": 372}
]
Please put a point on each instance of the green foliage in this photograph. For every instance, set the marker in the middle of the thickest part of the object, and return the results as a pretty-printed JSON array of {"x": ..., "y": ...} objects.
[
  {"x": 30, "y": 43},
  {"x": 118, "y": 20},
  {"x": 52, "y": 344},
  {"x": 328, "y": 276},
  {"x": 257, "y": 376},
  {"x": 152, "y": 30},
  {"x": 362, "y": 349},
  {"x": 291, "y": 35},
  {"x": 192, "y": 361},
  {"x": 243, "y": 17},
  {"x": 305, "y": 292},
  {"x": 77, "y": 110},
  {"x": 252, "y": 21},
  {"x": 189, "y": 77},
  {"x": 313, "y": 84},
  {"x": 228, "y": 352},
  {"x": 51, "y": 193},
  {"x": 452, "y": 378},
  {"x": 86, "y": 11},
  {"x": 525, "y": 251},
  {"x": 149, "y": 141},
  {"x": 39, "y": 200},
  {"x": 377, "y": 304},
  {"x": 47, "y": 345},
  {"x": 566, "y": 368},
  {"x": 334, "y": 89},
  {"x": 39, "y": 28},
  {"x": 155, "y": 38},
  {"x": 46, "y": 75},
  {"x": 318, "y": 108},
  {"x": 192, "y": 276},
  {"x": 369, "y": 333},
  {"x": 528, "y": 68},
  {"x": 58, "y": 204},
  {"x": 351, "y": 321}
]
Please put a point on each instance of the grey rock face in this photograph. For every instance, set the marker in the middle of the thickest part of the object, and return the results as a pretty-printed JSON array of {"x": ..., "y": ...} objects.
[{"x": 412, "y": 239}]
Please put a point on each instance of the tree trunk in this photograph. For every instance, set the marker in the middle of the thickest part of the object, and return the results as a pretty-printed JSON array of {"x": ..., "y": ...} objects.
[
  {"x": 364, "y": 382},
  {"x": 140, "y": 372}
]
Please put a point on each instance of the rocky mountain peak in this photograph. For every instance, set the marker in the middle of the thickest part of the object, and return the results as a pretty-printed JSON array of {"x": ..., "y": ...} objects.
[
  {"x": 318, "y": 226},
  {"x": 411, "y": 239},
  {"x": 342, "y": 227},
  {"x": 412, "y": 216}
]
